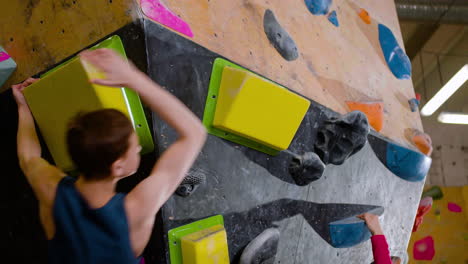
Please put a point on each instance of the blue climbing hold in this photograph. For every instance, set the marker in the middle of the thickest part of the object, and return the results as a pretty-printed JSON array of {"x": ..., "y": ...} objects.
[
  {"x": 318, "y": 7},
  {"x": 332, "y": 17},
  {"x": 396, "y": 58},
  {"x": 414, "y": 104},
  {"x": 348, "y": 235},
  {"x": 350, "y": 231},
  {"x": 407, "y": 164},
  {"x": 410, "y": 165}
]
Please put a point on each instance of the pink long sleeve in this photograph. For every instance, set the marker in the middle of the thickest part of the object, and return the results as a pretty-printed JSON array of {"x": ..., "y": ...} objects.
[{"x": 380, "y": 250}]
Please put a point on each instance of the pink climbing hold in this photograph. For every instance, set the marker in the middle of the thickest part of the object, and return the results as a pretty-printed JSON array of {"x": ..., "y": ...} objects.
[
  {"x": 453, "y": 207},
  {"x": 155, "y": 10},
  {"x": 425, "y": 206},
  {"x": 423, "y": 249},
  {"x": 4, "y": 56}
]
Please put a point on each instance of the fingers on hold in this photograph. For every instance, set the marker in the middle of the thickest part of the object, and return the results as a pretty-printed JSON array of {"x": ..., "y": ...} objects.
[
  {"x": 31, "y": 80},
  {"x": 99, "y": 81}
]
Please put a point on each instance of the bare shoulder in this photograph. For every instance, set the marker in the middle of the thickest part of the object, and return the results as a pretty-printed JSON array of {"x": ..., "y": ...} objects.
[{"x": 44, "y": 179}]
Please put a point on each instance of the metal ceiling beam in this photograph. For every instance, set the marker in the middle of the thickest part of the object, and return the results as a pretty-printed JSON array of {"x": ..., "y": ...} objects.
[{"x": 433, "y": 11}]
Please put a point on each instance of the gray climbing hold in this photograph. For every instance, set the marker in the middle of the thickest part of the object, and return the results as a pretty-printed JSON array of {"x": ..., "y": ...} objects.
[
  {"x": 262, "y": 250},
  {"x": 340, "y": 138},
  {"x": 278, "y": 37},
  {"x": 306, "y": 168}
]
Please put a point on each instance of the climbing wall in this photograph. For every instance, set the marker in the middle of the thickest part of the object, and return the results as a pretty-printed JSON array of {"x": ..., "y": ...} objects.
[
  {"x": 333, "y": 64},
  {"x": 332, "y": 55},
  {"x": 329, "y": 52},
  {"x": 254, "y": 191},
  {"x": 442, "y": 236}
]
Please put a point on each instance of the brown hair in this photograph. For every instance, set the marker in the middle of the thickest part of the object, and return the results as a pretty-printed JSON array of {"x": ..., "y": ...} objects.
[{"x": 97, "y": 139}]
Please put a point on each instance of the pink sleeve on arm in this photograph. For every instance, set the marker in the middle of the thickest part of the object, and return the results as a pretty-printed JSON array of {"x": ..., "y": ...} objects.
[{"x": 380, "y": 250}]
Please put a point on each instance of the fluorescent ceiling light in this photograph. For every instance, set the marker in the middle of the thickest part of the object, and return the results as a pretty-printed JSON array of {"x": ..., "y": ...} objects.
[
  {"x": 445, "y": 92},
  {"x": 453, "y": 118}
]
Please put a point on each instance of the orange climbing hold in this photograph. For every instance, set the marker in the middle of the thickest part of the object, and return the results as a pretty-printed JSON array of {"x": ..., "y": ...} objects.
[
  {"x": 364, "y": 15},
  {"x": 423, "y": 141},
  {"x": 373, "y": 111}
]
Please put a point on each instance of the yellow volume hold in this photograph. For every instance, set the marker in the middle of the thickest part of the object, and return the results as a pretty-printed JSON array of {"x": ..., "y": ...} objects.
[
  {"x": 63, "y": 93},
  {"x": 258, "y": 109},
  {"x": 207, "y": 246}
]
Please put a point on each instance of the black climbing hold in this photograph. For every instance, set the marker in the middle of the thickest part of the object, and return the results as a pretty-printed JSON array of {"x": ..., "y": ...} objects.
[
  {"x": 306, "y": 168},
  {"x": 185, "y": 190},
  {"x": 278, "y": 37},
  {"x": 262, "y": 249},
  {"x": 340, "y": 138},
  {"x": 192, "y": 180}
]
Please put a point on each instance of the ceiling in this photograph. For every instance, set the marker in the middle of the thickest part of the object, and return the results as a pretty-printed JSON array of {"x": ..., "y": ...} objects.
[{"x": 437, "y": 45}]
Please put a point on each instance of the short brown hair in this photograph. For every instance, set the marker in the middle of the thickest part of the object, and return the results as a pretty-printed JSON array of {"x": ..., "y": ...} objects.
[{"x": 97, "y": 139}]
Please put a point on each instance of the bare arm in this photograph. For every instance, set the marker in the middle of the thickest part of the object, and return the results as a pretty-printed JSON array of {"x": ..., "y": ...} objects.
[
  {"x": 144, "y": 201},
  {"x": 42, "y": 176},
  {"x": 175, "y": 162}
]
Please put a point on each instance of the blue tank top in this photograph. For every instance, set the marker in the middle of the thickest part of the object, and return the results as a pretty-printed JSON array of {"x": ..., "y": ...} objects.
[{"x": 87, "y": 235}]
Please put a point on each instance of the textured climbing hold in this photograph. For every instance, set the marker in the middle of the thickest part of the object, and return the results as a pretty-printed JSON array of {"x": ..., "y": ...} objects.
[
  {"x": 435, "y": 192},
  {"x": 333, "y": 18},
  {"x": 423, "y": 249},
  {"x": 194, "y": 178},
  {"x": 422, "y": 141},
  {"x": 405, "y": 163},
  {"x": 207, "y": 246},
  {"x": 318, "y": 7},
  {"x": 453, "y": 207},
  {"x": 364, "y": 15},
  {"x": 414, "y": 104},
  {"x": 374, "y": 112},
  {"x": 306, "y": 168},
  {"x": 257, "y": 109},
  {"x": 350, "y": 231},
  {"x": 424, "y": 207},
  {"x": 340, "y": 138},
  {"x": 262, "y": 249},
  {"x": 396, "y": 58},
  {"x": 7, "y": 66},
  {"x": 278, "y": 37},
  {"x": 156, "y": 11}
]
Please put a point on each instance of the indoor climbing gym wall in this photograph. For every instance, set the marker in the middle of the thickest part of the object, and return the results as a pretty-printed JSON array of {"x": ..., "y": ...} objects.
[
  {"x": 441, "y": 235},
  {"x": 308, "y": 105}
]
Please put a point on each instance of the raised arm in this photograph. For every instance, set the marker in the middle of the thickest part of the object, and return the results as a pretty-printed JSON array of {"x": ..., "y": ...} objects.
[
  {"x": 42, "y": 176},
  {"x": 144, "y": 201},
  {"x": 175, "y": 162}
]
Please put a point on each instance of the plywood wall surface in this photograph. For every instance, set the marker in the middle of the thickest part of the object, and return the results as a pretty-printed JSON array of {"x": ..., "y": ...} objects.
[{"x": 40, "y": 33}]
